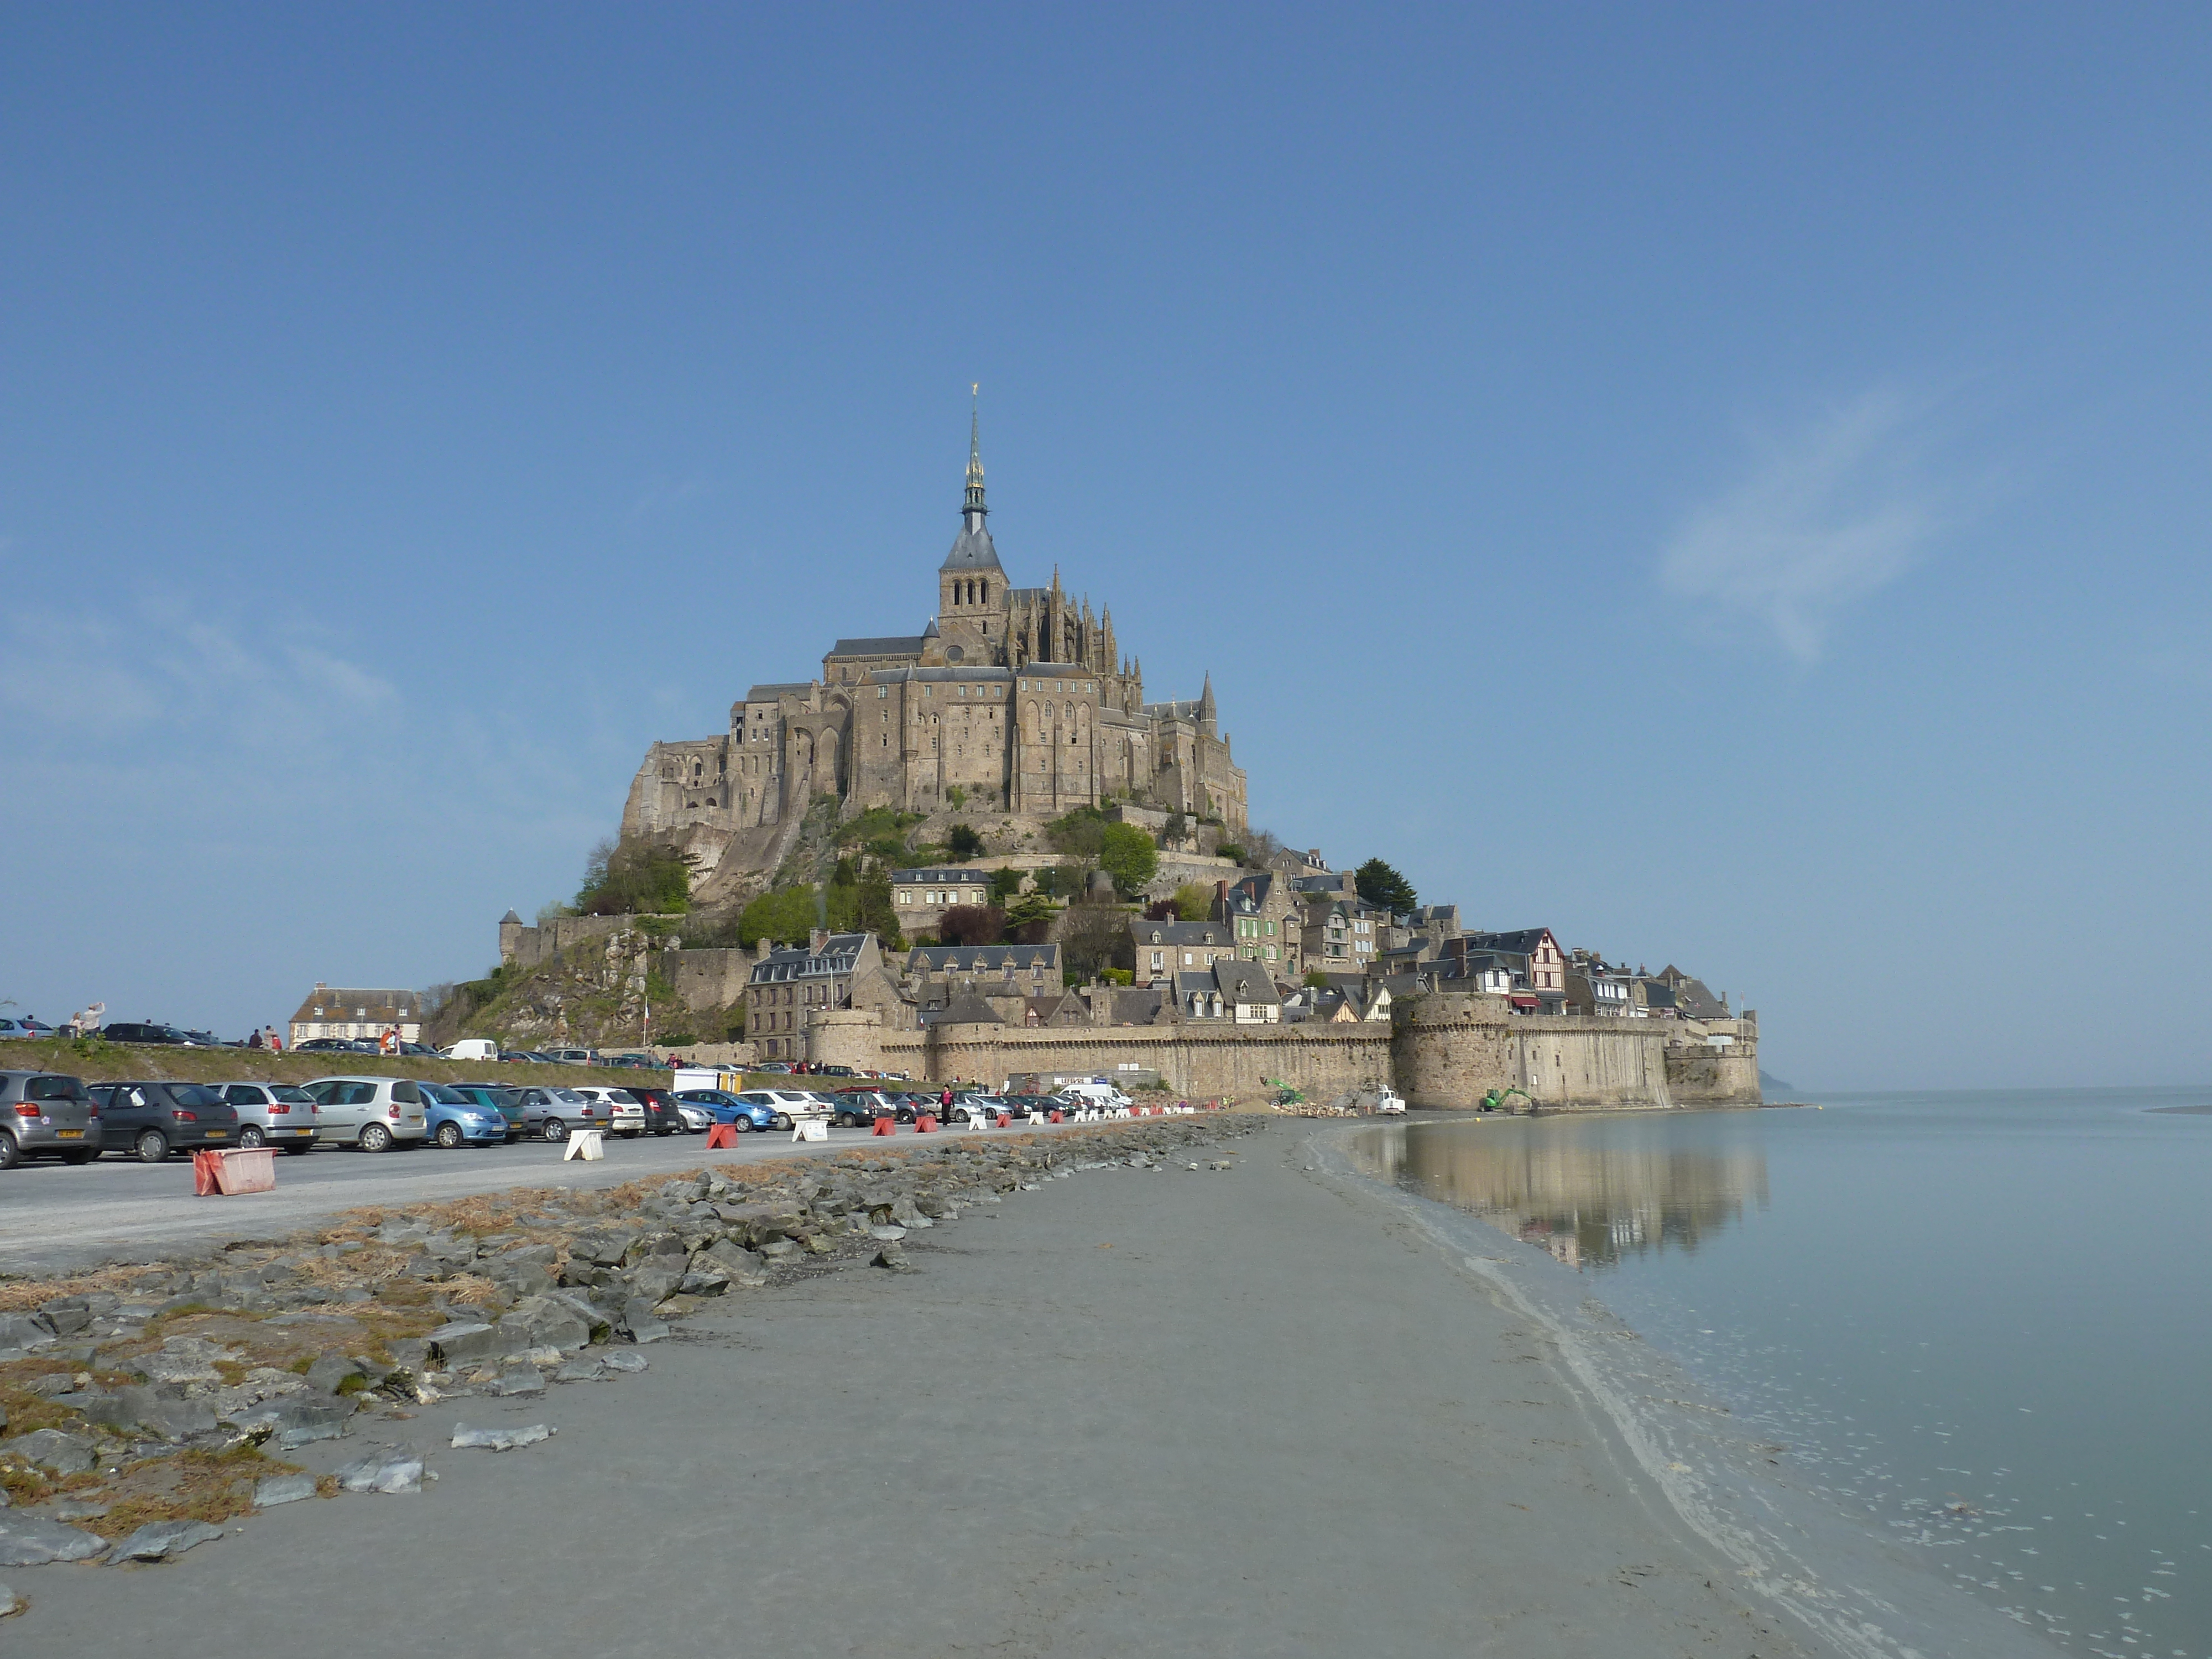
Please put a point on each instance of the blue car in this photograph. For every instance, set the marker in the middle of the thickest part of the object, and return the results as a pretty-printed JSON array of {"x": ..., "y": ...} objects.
[
  {"x": 739, "y": 1115},
  {"x": 455, "y": 1120}
]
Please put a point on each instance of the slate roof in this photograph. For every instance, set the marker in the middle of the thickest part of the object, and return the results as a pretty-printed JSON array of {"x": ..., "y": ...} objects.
[
  {"x": 510, "y": 917},
  {"x": 967, "y": 1008},
  {"x": 1179, "y": 933},
  {"x": 840, "y": 955},
  {"x": 899, "y": 676},
  {"x": 896, "y": 645},
  {"x": 351, "y": 1004},
  {"x": 1692, "y": 997},
  {"x": 1245, "y": 982},
  {"x": 770, "y": 693},
  {"x": 949, "y": 877},
  {"x": 1521, "y": 942},
  {"x": 981, "y": 958},
  {"x": 972, "y": 550}
]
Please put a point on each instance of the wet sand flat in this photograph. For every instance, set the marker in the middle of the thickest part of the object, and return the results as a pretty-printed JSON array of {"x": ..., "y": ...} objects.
[{"x": 1176, "y": 1412}]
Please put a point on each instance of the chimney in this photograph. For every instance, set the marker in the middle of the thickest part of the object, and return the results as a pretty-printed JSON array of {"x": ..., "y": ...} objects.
[{"x": 818, "y": 941}]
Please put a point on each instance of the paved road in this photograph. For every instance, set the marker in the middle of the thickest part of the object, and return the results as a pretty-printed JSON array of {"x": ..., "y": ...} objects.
[{"x": 56, "y": 1219}]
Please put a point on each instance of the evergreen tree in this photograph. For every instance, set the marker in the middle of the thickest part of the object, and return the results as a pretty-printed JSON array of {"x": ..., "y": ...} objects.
[{"x": 1380, "y": 884}]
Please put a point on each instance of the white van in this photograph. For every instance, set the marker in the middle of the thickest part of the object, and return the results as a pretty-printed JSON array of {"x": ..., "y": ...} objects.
[
  {"x": 472, "y": 1049},
  {"x": 1103, "y": 1095}
]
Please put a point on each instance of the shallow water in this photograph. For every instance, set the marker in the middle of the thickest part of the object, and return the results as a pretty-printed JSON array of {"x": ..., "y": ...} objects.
[{"x": 1981, "y": 1322}]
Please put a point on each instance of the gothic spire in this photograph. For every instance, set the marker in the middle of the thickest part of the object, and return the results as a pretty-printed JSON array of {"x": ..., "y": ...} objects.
[{"x": 975, "y": 452}]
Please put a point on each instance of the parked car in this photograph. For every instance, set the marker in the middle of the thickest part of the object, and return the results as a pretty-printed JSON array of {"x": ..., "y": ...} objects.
[
  {"x": 503, "y": 1099},
  {"x": 736, "y": 1110},
  {"x": 620, "y": 1111},
  {"x": 858, "y": 1109},
  {"x": 47, "y": 1115},
  {"x": 641, "y": 1062},
  {"x": 125, "y": 1032},
  {"x": 696, "y": 1118},
  {"x": 553, "y": 1113},
  {"x": 567, "y": 1056},
  {"x": 272, "y": 1115},
  {"x": 833, "y": 1071},
  {"x": 455, "y": 1119},
  {"x": 473, "y": 1049},
  {"x": 156, "y": 1118},
  {"x": 9, "y": 1028},
  {"x": 334, "y": 1046},
  {"x": 775, "y": 1068},
  {"x": 973, "y": 1103},
  {"x": 373, "y": 1113},
  {"x": 661, "y": 1117},
  {"x": 419, "y": 1051}
]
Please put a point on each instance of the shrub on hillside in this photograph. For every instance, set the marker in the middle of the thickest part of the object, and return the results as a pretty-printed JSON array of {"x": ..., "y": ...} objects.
[
  {"x": 971, "y": 924},
  {"x": 635, "y": 876}
]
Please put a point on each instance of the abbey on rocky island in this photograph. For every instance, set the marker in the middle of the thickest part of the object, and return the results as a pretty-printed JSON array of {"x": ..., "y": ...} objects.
[{"x": 1011, "y": 700}]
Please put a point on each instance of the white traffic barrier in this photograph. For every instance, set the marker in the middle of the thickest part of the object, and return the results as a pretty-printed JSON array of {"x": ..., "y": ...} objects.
[
  {"x": 586, "y": 1144},
  {"x": 811, "y": 1128},
  {"x": 974, "y": 1120}
]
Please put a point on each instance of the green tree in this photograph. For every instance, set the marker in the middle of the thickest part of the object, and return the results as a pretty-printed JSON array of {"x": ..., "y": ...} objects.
[
  {"x": 635, "y": 876},
  {"x": 1380, "y": 884},
  {"x": 1028, "y": 919},
  {"x": 962, "y": 843},
  {"x": 1194, "y": 902},
  {"x": 971, "y": 924},
  {"x": 1129, "y": 856},
  {"x": 1082, "y": 832},
  {"x": 785, "y": 916},
  {"x": 1317, "y": 980},
  {"x": 1006, "y": 885},
  {"x": 1176, "y": 827}
]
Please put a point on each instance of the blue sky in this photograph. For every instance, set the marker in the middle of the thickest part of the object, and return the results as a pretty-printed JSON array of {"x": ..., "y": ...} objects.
[{"x": 1727, "y": 482}]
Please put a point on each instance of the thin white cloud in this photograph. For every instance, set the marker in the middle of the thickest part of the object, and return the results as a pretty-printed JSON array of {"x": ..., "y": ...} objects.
[{"x": 1827, "y": 516}]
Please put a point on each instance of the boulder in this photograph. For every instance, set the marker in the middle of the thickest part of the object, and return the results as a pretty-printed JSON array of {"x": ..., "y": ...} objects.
[
  {"x": 163, "y": 1540},
  {"x": 50, "y": 1449},
  {"x": 467, "y": 1339},
  {"x": 654, "y": 1283},
  {"x": 67, "y": 1314},
  {"x": 282, "y": 1489},
  {"x": 519, "y": 1380},
  {"x": 32, "y": 1541},
  {"x": 333, "y": 1369},
  {"x": 24, "y": 1331},
  {"x": 500, "y": 1440},
  {"x": 383, "y": 1472},
  {"x": 760, "y": 1223}
]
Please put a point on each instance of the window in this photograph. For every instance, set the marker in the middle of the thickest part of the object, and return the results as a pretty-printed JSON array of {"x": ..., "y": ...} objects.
[{"x": 883, "y": 691}]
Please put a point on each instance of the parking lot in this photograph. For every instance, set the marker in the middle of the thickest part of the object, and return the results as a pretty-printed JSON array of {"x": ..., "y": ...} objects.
[{"x": 58, "y": 1219}]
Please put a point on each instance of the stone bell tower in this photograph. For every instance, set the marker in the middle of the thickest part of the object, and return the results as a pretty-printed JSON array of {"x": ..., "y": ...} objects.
[{"x": 971, "y": 587}]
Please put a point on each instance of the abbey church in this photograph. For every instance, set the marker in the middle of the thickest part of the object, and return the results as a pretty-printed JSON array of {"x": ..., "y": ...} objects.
[{"x": 1011, "y": 700}]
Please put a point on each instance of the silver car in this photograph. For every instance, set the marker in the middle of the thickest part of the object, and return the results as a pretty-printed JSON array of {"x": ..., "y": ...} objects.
[
  {"x": 47, "y": 1115},
  {"x": 373, "y": 1113},
  {"x": 553, "y": 1112},
  {"x": 272, "y": 1115}
]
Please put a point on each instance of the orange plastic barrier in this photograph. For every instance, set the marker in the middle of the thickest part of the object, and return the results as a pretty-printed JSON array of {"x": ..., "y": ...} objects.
[
  {"x": 885, "y": 1125},
  {"x": 721, "y": 1135},
  {"x": 1006, "y": 1121},
  {"x": 1056, "y": 1117},
  {"x": 241, "y": 1170},
  {"x": 925, "y": 1125}
]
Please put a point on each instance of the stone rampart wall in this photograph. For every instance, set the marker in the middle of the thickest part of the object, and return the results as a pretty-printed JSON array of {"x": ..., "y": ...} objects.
[{"x": 1443, "y": 1052}]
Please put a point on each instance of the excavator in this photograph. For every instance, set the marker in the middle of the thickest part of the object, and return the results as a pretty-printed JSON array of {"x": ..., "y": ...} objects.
[{"x": 1495, "y": 1099}]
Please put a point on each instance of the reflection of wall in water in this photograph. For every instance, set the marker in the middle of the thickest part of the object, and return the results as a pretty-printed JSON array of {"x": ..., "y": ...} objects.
[{"x": 1586, "y": 1192}]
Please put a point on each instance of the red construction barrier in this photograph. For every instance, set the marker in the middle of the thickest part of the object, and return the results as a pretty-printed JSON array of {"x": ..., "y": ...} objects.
[
  {"x": 1005, "y": 1121},
  {"x": 885, "y": 1125},
  {"x": 1056, "y": 1117},
  {"x": 721, "y": 1135},
  {"x": 925, "y": 1125},
  {"x": 240, "y": 1169}
]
